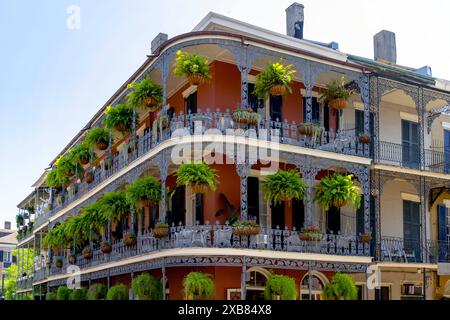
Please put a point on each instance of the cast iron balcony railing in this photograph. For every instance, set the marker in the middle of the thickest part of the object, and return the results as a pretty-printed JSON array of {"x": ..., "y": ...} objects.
[
  {"x": 436, "y": 160},
  {"x": 342, "y": 142},
  {"x": 395, "y": 249},
  {"x": 219, "y": 236},
  {"x": 25, "y": 282}
]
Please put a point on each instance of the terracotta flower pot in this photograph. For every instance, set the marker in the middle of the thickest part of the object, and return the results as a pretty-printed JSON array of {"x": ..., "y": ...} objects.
[
  {"x": 101, "y": 145},
  {"x": 364, "y": 138},
  {"x": 149, "y": 102},
  {"x": 105, "y": 248},
  {"x": 84, "y": 161},
  {"x": 89, "y": 177},
  {"x": 306, "y": 237},
  {"x": 246, "y": 231},
  {"x": 196, "y": 79},
  {"x": 199, "y": 188},
  {"x": 161, "y": 232},
  {"x": 365, "y": 238},
  {"x": 277, "y": 90},
  {"x": 87, "y": 253},
  {"x": 339, "y": 203},
  {"x": 129, "y": 241},
  {"x": 121, "y": 128},
  {"x": 338, "y": 104}
]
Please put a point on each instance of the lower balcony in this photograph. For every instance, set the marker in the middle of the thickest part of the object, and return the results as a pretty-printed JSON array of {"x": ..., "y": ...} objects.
[{"x": 219, "y": 236}]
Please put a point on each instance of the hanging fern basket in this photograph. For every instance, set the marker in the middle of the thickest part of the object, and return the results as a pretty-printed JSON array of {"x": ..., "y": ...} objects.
[
  {"x": 121, "y": 128},
  {"x": 339, "y": 203},
  {"x": 277, "y": 90},
  {"x": 84, "y": 161},
  {"x": 364, "y": 139},
  {"x": 89, "y": 177},
  {"x": 338, "y": 104},
  {"x": 149, "y": 102},
  {"x": 196, "y": 79},
  {"x": 87, "y": 253},
  {"x": 105, "y": 247},
  {"x": 101, "y": 145},
  {"x": 199, "y": 188}
]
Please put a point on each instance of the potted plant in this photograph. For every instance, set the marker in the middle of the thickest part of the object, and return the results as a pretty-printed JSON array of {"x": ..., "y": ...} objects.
[
  {"x": 78, "y": 294},
  {"x": 275, "y": 79},
  {"x": 336, "y": 94},
  {"x": 341, "y": 287},
  {"x": 117, "y": 292},
  {"x": 98, "y": 137},
  {"x": 30, "y": 225},
  {"x": 365, "y": 237},
  {"x": 310, "y": 129},
  {"x": 50, "y": 296},
  {"x": 245, "y": 116},
  {"x": 105, "y": 246},
  {"x": 284, "y": 186},
  {"x": 63, "y": 293},
  {"x": 119, "y": 117},
  {"x": 193, "y": 66},
  {"x": 147, "y": 287},
  {"x": 198, "y": 286},
  {"x": 161, "y": 230},
  {"x": 72, "y": 258},
  {"x": 144, "y": 191},
  {"x": 87, "y": 253},
  {"x": 198, "y": 175},
  {"x": 96, "y": 292},
  {"x": 337, "y": 190},
  {"x": 364, "y": 138},
  {"x": 65, "y": 166},
  {"x": 59, "y": 263},
  {"x": 129, "y": 238},
  {"x": 80, "y": 154},
  {"x": 245, "y": 228},
  {"x": 146, "y": 93},
  {"x": 311, "y": 233},
  {"x": 89, "y": 176},
  {"x": 19, "y": 220},
  {"x": 280, "y": 287}
]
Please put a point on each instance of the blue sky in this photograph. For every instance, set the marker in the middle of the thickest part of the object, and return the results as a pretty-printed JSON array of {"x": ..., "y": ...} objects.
[{"x": 53, "y": 79}]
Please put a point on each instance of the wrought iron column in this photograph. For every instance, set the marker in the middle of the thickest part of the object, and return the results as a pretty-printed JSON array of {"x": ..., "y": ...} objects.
[
  {"x": 244, "y": 278},
  {"x": 243, "y": 170},
  {"x": 422, "y": 124},
  {"x": 308, "y": 81},
  {"x": 163, "y": 271},
  {"x": 163, "y": 161},
  {"x": 423, "y": 216},
  {"x": 364, "y": 87}
]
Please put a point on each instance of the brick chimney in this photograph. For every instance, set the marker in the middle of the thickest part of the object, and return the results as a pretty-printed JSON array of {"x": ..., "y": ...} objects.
[
  {"x": 384, "y": 46},
  {"x": 294, "y": 20},
  {"x": 7, "y": 225},
  {"x": 158, "y": 41}
]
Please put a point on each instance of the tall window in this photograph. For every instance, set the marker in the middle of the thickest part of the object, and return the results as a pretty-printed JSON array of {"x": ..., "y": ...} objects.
[
  {"x": 253, "y": 198},
  {"x": 316, "y": 287},
  {"x": 447, "y": 151},
  {"x": 253, "y": 101},
  {"x": 411, "y": 227},
  {"x": 191, "y": 103}
]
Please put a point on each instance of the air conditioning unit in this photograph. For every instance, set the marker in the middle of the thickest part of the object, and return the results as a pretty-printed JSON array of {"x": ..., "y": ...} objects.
[{"x": 412, "y": 290}]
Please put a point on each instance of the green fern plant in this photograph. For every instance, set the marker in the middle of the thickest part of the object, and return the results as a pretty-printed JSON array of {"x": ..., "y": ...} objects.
[
  {"x": 284, "y": 186},
  {"x": 147, "y": 287},
  {"x": 63, "y": 293},
  {"x": 114, "y": 206},
  {"x": 117, "y": 292},
  {"x": 81, "y": 154},
  {"x": 274, "y": 74},
  {"x": 146, "y": 93},
  {"x": 280, "y": 287},
  {"x": 78, "y": 294},
  {"x": 119, "y": 117},
  {"x": 191, "y": 64},
  {"x": 198, "y": 286},
  {"x": 336, "y": 90},
  {"x": 342, "y": 287},
  {"x": 196, "y": 173},
  {"x": 96, "y": 292},
  {"x": 144, "y": 189},
  {"x": 97, "y": 136},
  {"x": 337, "y": 190}
]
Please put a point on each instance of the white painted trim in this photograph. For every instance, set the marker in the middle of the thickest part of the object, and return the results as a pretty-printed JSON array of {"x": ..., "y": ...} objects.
[
  {"x": 447, "y": 203},
  {"x": 358, "y": 105},
  {"x": 251, "y": 78},
  {"x": 186, "y": 93},
  {"x": 446, "y": 125},
  {"x": 409, "y": 116},
  {"x": 410, "y": 197},
  {"x": 314, "y": 94}
]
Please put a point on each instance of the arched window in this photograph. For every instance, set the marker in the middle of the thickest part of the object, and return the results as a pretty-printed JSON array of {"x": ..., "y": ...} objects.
[
  {"x": 318, "y": 281},
  {"x": 256, "y": 281}
]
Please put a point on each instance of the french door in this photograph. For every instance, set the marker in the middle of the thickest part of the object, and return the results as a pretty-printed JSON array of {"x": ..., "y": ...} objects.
[
  {"x": 410, "y": 144},
  {"x": 411, "y": 228}
]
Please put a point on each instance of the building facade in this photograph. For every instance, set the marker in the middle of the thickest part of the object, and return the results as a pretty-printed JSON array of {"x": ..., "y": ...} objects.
[
  {"x": 8, "y": 242},
  {"x": 402, "y": 172}
]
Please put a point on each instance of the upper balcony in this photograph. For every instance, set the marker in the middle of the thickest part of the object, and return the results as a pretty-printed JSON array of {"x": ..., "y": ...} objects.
[{"x": 235, "y": 60}]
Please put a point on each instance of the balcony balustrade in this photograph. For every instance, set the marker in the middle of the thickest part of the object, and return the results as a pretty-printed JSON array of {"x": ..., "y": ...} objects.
[
  {"x": 221, "y": 236},
  {"x": 395, "y": 249},
  {"x": 343, "y": 142},
  {"x": 25, "y": 282},
  {"x": 435, "y": 160}
]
